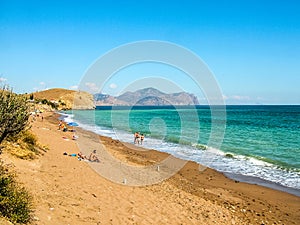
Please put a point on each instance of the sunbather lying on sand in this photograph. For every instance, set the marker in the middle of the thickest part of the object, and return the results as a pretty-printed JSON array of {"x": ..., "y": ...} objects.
[{"x": 81, "y": 156}]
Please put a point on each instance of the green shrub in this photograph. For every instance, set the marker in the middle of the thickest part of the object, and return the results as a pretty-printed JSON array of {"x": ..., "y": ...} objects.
[
  {"x": 47, "y": 102},
  {"x": 15, "y": 201},
  {"x": 14, "y": 113}
]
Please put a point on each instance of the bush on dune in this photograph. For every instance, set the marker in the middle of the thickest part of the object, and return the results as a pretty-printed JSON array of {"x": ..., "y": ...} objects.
[
  {"x": 15, "y": 201},
  {"x": 14, "y": 113},
  {"x": 15, "y": 136}
]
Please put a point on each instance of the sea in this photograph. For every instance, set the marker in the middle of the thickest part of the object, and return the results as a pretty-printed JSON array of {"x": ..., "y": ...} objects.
[{"x": 258, "y": 144}]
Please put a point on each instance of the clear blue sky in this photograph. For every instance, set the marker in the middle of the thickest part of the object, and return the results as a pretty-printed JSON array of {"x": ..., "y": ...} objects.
[{"x": 252, "y": 47}]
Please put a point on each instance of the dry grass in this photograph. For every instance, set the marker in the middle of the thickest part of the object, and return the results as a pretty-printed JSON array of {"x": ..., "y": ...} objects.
[
  {"x": 55, "y": 94},
  {"x": 24, "y": 146}
]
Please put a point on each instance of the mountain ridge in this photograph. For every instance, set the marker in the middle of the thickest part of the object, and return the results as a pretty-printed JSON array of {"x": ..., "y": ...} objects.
[{"x": 146, "y": 97}]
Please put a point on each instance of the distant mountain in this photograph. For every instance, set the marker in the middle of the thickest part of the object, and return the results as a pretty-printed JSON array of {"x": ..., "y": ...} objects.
[{"x": 147, "y": 96}]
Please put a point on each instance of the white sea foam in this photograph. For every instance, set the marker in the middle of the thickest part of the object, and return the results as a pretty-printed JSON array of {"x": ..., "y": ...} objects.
[{"x": 68, "y": 118}]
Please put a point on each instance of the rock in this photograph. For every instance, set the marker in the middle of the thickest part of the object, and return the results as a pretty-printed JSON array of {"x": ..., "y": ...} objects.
[{"x": 35, "y": 218}]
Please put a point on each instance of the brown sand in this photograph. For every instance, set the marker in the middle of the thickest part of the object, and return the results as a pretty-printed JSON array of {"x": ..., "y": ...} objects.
[{"x": 69, "y": 191}]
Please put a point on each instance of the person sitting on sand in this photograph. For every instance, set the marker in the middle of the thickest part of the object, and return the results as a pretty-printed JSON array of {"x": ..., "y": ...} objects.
[
  {"x": 93, "y": 157},
  {"x": 64, "y": 128},
  {"x": 74, "y": 137}
]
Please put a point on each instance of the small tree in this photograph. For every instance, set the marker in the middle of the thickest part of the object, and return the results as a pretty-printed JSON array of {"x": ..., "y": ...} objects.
[{"x": 14, "y": 113}]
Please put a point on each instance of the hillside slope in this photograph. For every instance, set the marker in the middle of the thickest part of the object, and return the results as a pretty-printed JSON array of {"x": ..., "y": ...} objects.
[{"x": 70, "y": 99}]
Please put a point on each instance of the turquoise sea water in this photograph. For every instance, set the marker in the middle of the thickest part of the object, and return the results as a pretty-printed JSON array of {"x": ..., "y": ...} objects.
[{"x": 259, "y": 141}]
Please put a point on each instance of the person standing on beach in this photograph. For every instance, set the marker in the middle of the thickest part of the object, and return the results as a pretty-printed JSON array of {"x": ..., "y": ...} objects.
[
  {"x": 60, "y": 124},
  {"x": 136, "y": 138},
  {"x": 142, "y": 138}
]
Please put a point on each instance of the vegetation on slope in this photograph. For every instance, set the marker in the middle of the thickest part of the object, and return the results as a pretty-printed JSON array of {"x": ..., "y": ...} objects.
[{"x": 15, "y": 200}]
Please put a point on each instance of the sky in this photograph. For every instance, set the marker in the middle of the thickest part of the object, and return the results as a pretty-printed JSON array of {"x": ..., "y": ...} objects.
[{"x": 251, "y": 47}]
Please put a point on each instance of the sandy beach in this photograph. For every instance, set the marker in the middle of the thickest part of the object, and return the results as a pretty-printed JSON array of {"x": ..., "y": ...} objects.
[{"x": 69, "y": 191}]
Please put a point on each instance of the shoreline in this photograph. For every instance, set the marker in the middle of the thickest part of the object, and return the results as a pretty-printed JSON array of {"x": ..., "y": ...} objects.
[
  {"x": 262, "y": 182},
  {"x": 69, "y": 191},
  {"x": 234, "y": 176}
]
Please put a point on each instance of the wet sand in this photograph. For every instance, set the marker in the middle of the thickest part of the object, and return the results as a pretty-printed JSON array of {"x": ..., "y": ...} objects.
[{"x": 69, "y": 191}]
